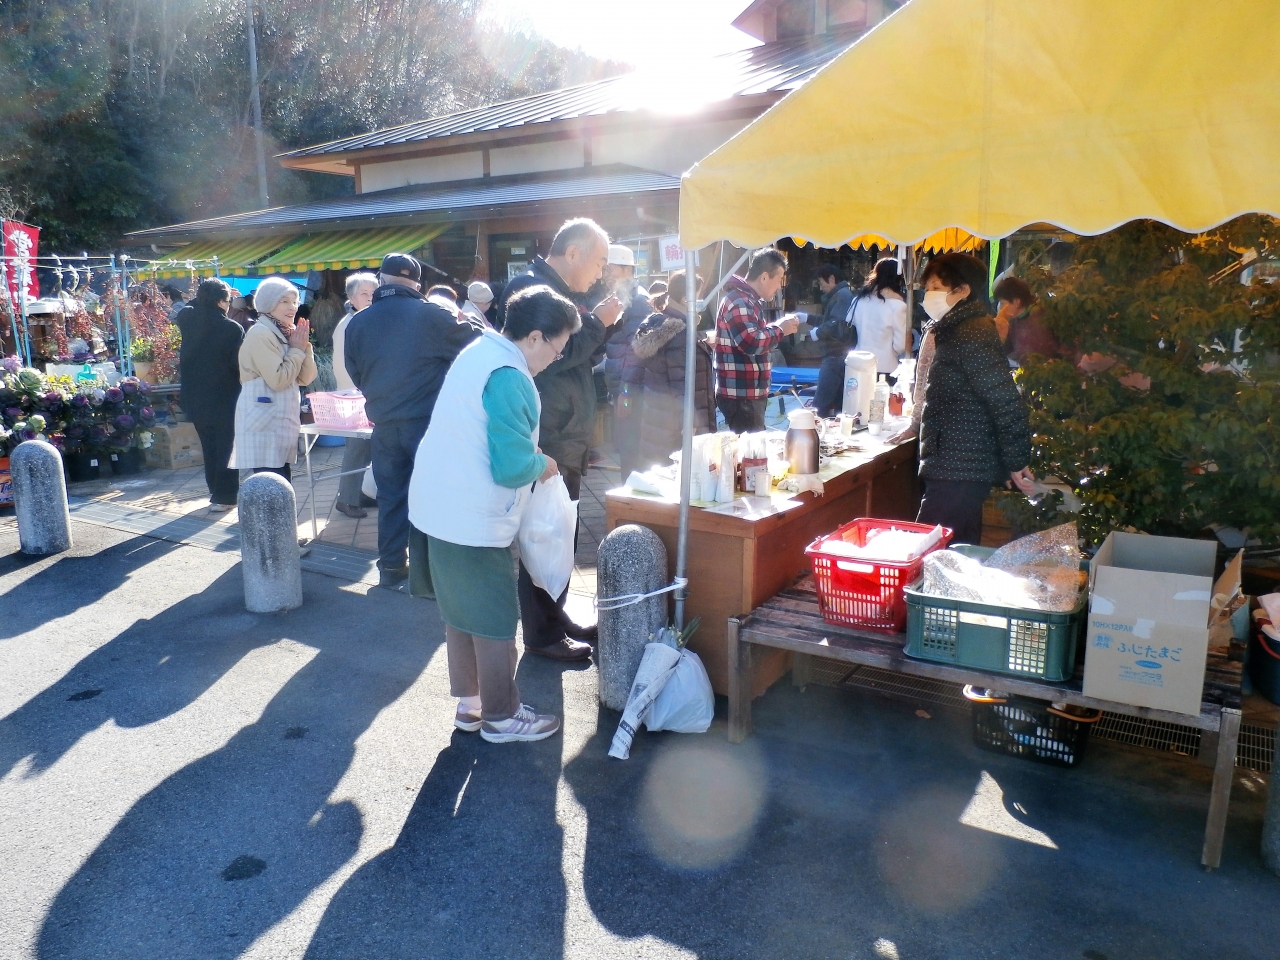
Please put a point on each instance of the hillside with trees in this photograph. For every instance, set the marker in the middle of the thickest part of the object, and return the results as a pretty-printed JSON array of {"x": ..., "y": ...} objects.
[{"x": 123, "y": 114}]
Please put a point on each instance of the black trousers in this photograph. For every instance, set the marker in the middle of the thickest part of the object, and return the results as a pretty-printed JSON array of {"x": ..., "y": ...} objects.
[
  {"x": 216, "y": 437},
  {"x": 626, "y": 431},
  {"x": 394, "y": 447},
  {"x": 286, "y": 471},
  {"x": 743, "y": 416},
  {"x": 830, "y": 394},
  {"x": 956, "y": 504},
  {"x": 542, "y": 616}
]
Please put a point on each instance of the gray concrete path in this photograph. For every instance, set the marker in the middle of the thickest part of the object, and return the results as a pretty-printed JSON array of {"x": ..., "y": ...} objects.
[{"x": 182, "y": 779}]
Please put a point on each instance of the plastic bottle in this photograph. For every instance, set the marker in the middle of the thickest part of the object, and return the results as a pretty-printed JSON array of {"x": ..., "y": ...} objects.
[
  {"x": 879, "y": 400},
  {"x": 859, "y": 383}
]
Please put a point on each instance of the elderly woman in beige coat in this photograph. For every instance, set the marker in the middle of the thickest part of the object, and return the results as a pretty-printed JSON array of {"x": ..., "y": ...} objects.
[{"x": 275, "y": 360}]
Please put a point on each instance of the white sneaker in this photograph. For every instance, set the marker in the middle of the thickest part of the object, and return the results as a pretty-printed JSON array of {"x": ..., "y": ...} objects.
[
  {"x": 467, "y": 720},
  {"x": 524, "y": 726}
]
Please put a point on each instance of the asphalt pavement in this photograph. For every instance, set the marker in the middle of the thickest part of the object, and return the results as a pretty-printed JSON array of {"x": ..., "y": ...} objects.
[{"x": 182, "y": 779}]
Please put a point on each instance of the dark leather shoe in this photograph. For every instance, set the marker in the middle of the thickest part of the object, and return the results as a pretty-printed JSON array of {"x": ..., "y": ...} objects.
[
  {"x": 564, "y": 650},
  {"x": 589, "y": 634},
  {"x": 393, "y": 578},
  {"x": 355, "y": 513}
]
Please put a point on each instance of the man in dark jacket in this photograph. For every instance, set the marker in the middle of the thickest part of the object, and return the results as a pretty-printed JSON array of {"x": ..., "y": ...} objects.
[
  {"x": 975, "y": 430},
  {"x": 398, "y": 350},
  {"x": 836, "y": 330},
  {"x": 209, "y": 371},
  {"x": 575, "y": 262}
]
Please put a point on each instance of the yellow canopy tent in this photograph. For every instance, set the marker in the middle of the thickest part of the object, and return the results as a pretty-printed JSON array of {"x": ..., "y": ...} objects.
[{"x": 1082, "y": 113}]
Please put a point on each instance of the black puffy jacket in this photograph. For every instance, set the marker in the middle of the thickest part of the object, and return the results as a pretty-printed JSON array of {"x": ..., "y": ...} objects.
[
  {"x": 975, "y": 425},
  {"x": 567, "y": 388},
  {"x": 660, "y": 345}
]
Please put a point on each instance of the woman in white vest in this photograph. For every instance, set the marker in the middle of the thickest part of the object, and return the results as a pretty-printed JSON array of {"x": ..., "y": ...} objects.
[
  {"x": 472, "y": 477},
  {"x": 275, "y": 360}
]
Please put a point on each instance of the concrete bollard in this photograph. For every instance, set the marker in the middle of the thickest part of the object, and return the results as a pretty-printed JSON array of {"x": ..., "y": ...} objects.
[
  {"x": 631, "y": 560},
  {"x": 1271, "y": 822},
  {"x": 40, "y": 498},
  {"x": 269, "y": 544}
]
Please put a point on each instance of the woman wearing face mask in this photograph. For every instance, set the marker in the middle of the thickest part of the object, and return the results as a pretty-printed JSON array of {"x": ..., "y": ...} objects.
[
  {"x": 472, "y": 477},
  {"x": 275, "y": 360},
  {"x": 974, "y": 430}
]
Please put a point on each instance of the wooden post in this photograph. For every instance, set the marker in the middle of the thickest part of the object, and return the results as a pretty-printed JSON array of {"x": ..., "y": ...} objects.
[
  {"x": 740, "y": 676},
  {"x": 1220, "y": 796}
]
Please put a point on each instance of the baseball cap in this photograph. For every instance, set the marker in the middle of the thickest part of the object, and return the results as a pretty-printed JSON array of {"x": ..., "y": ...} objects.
[
  {"x": 401, "y": 265},
  {"x": 621, "y": 256},
  {"x": 479, "y": 292}
]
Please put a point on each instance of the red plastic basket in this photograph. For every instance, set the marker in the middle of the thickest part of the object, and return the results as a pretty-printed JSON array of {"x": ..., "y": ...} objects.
[
  {"x": 338, "y": 410},
  {"x": 864, "y": 592}
]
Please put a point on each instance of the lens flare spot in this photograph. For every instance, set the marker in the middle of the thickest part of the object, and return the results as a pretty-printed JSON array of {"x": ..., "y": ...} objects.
[
  {"x": 701, "y": 802},
  {"x": 932, "y": 861}
]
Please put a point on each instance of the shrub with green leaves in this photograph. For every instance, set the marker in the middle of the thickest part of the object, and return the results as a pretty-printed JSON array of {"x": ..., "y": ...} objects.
[{"x": 1201, "y": 446}]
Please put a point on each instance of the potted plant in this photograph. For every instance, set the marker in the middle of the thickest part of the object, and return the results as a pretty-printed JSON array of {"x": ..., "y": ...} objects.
[
  {"x": 121, "y": 426},
  {"x": 143, "y": 354}
]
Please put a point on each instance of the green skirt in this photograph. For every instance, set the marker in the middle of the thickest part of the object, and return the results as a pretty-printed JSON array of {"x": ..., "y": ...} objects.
[{"x": 475, "y": 588}]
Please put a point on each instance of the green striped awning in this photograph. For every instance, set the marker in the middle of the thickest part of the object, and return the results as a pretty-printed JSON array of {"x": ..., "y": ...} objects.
[
  {"x": 349, "y": 249},
  {"x": 235, "y": 257}
]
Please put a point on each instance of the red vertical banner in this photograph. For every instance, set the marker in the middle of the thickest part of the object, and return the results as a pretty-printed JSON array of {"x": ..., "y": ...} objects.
[{"x": 20, "y": 244}]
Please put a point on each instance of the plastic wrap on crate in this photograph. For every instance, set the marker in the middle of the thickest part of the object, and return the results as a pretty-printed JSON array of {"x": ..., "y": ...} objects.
[
  {"x": 1037, "y": 572},
  {"x": 340, "y": 410}
]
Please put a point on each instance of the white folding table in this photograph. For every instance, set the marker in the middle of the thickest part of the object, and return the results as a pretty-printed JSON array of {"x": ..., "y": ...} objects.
[{"x": 311, "y": 432}]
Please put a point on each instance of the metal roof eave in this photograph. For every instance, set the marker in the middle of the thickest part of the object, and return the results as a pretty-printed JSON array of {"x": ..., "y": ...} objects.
[
  {"x": 771, "y": 68},
  {"x": 622, "y": 186},
  {"x": 747, "y": 106}
]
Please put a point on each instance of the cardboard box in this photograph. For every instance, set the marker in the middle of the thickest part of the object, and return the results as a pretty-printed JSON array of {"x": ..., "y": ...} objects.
[
  {"x": 174, "y": 447},
  {"x": 1150, "y": 611}
]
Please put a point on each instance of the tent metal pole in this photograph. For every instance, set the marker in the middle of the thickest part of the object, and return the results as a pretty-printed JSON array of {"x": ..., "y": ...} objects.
[
  {"x": 686, "y": 455},
  {"x": 13, "y": 314},
  {"x": 909, "y": 271}
]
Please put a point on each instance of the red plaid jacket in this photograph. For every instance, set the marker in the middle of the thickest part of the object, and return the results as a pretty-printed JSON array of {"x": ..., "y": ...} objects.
[{"x": 743, "y": 344}]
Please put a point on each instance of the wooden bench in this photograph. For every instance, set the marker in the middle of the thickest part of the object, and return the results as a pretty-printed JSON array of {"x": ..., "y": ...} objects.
[{"x": 792, "y": 621}]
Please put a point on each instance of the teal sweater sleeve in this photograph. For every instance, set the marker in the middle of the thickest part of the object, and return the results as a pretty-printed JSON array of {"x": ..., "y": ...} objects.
[{"x": 512, "y": 405}]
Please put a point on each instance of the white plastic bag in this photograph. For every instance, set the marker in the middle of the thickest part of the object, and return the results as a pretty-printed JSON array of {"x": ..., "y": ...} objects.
[
  {"x": 686, "y": 702},
  {"x": 657, "y": 666},
  {"x": 546, "y": 535},
  {"x": 367, "y": 485}
]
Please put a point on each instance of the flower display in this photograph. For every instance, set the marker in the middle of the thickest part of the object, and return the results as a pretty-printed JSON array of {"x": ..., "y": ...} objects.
[{"x": 75, "y": 416}]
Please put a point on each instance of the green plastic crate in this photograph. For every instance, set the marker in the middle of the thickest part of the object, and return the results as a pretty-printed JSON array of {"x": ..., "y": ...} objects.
[{"x": 1020, "y": 643}]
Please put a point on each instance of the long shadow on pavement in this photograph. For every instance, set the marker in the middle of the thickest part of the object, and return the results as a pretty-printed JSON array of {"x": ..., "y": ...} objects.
[
  {"x": 71, "y": 582},
  {"x": 836, "y": 831},
  {"x": 152, "y": 669},
  {"x": 229, "y": 845},
  {"x": 476, "y": 870}
]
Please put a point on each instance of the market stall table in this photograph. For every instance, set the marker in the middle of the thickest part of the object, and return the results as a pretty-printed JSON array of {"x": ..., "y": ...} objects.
[
  {"x": 738, "y": 562},
  {"x": 312, "y": 432},
  {"x": 791, "y": 623}
]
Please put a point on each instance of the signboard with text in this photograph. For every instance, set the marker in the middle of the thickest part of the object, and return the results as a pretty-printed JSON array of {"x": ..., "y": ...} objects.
[
  {"x": 671, "y": 253},
  {"x": 20, "y": 245}
]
